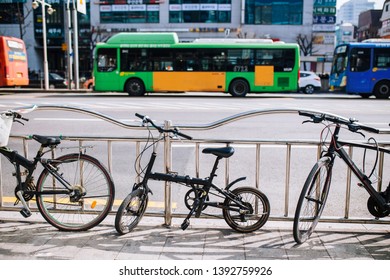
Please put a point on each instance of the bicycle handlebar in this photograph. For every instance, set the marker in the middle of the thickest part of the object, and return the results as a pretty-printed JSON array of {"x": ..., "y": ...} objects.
[
  {"x": 352, "y": 124},
  {"x": 15, "y": 115},
  {"x": 175, "y": 131}
]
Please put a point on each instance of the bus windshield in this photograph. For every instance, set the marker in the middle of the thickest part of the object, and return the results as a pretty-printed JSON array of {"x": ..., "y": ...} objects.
[{"x": 340, "y": 60}]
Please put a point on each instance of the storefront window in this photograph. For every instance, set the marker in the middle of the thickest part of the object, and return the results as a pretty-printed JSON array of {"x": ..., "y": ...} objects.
[
  {"x": 200, "y": 11},
  {"x": 269, "y": 12},
  {"x": 11, "y": 13}
]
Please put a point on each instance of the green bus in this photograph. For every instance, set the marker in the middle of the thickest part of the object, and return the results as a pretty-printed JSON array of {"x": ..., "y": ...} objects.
[{"x": 137, "y": 63}]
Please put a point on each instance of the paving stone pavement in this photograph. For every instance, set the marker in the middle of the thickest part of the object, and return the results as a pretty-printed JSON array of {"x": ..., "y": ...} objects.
[{"x": 33, "y": 239}]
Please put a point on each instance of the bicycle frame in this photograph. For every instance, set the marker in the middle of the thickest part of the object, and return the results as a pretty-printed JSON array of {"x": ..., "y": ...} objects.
[
  {"x": 206, "y": 183},
  {"x": 18, "y": 160},
  {"x": 336, "y": 147}
]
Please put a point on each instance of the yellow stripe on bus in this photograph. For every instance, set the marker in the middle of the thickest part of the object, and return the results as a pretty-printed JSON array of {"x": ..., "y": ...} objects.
[{"x": 189, "y": 81}]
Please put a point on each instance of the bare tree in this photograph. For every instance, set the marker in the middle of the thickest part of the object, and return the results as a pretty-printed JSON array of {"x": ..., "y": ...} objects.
[
  {"x": 306, "y": 46},
  {"x": 21, "y": 16}
]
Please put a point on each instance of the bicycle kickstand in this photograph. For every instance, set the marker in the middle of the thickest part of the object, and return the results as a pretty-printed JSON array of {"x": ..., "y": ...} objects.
[{"x": 186, "y": 221}]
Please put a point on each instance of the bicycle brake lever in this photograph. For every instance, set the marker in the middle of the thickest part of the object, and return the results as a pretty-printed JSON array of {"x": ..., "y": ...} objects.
[
  {"x": 355, "y": 128},
  {"x": 307, "y": 121},
  {"x": 362, "y": 134},
  {"x": 19, "y": 122}
]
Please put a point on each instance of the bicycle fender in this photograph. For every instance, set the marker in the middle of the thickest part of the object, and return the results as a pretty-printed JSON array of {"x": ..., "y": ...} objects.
[{"x": 234, "y": 182}]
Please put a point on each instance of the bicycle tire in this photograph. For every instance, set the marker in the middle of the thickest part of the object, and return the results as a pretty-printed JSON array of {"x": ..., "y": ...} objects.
[
  {"x": 312, "y": 200},
  {"x": 131, "y": 211},
  {"x": 85, "y": 174},
  {"x": 247, "y": 222}
]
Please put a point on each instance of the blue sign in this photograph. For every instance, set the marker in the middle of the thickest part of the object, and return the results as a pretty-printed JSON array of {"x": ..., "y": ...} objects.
[
  {"x": 328, "y": 3},
  {"x": 324, "y": 19},
  {"x": 323, "y": 10}
]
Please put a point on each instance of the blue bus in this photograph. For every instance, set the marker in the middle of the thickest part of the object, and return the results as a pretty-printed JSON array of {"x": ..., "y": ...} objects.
[{"x": 362, "y": 68}]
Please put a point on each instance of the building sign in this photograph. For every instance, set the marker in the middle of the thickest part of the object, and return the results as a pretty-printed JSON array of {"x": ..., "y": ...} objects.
[
  {"x": 199, "y": 7},
  {"x": 328, "y": 3},
  {"x": 323, "y": 10},
  {"x": 12, "y": 1},
  {"x": 82, "y": 6},
  {"x": 324, "y": 28},
  {"x": 324, "y": 19},
  {"x": 324, "y": 39},
  {"x": 190, "y": 7}
]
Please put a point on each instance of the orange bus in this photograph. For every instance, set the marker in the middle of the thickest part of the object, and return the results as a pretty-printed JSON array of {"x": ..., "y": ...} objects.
[{"x": 13, "y": 62}]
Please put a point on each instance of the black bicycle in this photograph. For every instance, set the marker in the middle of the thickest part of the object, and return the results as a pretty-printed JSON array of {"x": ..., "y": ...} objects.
[
  {"x": 244, "y": 209},
  {"x": 315, "y": 191},
  {"x": 74, "y": 192}
]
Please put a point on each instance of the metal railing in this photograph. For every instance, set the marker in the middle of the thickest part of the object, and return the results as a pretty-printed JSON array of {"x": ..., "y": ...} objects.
[{"x": 285, "y": 206}]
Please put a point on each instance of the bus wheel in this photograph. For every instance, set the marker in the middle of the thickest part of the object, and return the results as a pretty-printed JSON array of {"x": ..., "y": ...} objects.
[
  {"x": 135, "y": 87},
  {"x": 382, "y": 90},
  {"x": 238, "y": 88}
]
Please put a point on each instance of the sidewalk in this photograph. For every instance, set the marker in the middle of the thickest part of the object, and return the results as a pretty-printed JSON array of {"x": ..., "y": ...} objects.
[{"x": 33, "y": 238}]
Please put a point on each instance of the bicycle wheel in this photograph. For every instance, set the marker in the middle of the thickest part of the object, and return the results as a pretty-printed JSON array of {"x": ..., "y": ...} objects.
[
  {"x": 89, "y": 202},
  {"x": 131, "y": 211},
  {"x": 312, "y": 200},
  {"x": 244, "y": 220}
]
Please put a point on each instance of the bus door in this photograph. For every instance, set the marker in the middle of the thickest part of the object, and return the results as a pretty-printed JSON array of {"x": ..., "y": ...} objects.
[
  {"x": 107, "y": 74},
  {"x": 360, "y": 74}
]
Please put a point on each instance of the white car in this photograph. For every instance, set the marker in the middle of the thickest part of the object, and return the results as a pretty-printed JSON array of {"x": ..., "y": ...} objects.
[{"x": 309, "y": 82}]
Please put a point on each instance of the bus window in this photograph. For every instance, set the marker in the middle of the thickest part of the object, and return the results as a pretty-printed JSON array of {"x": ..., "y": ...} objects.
[
  {"x": 282, "y": 60},
  {"x": 381, "y": 58},
  {"x": 106, "y": 60},
  {"x": 161, "y": 59},
  {"x": 240, "y": 60},
  {"x": 360, "y": 60},
  {"x": 185, "y": 60},
  {"x": 339, "y": 64},
  {"x": 212, "y": 60},
  {"x": 134, "y": 60}
]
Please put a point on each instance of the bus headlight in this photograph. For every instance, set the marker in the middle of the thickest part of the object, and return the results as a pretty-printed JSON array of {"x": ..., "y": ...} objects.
[{"x": 343, "y": 82}]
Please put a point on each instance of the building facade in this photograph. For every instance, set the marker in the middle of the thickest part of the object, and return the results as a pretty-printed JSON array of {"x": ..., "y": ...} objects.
[
  {"x": 384, "y": 31},
  {"x": 369, "y": 24},
  {"x": 190, "y": 19},
  {"x": 349, "y": 11}
]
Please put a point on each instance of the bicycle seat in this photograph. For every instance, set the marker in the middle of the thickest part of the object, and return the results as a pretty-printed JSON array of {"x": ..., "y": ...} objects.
[
  {"x": 47, "y": 140},
  {"x": 224, "y": 152}
]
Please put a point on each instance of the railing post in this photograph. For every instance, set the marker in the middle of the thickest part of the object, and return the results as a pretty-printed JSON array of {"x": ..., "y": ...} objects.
[
  {"x": 109, "y": 155},
  {"x": 258, "y": 149},
  {"x": 348, "y": 187},
  {"x": 227, "y": 168},
  {"x": 287, "y": 186},
  {"x": 168, "y": 165},
  {"x": 380, "y": 170},
  {"x": 138, "y": 163}
]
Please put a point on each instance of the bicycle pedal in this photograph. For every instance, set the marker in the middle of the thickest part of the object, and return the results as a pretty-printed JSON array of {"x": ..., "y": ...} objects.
[
  {"x": 25, "y": 212},
  {"x": 185, "y": 224}
]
